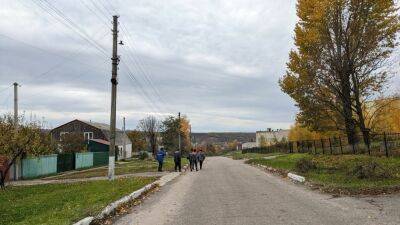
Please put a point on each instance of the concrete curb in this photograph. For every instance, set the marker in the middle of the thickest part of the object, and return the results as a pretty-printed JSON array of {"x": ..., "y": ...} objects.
[
  {"x": 292, "y": 176},
  {"x": 296, "y": 177},
  {"x": 112, "y": 206}
]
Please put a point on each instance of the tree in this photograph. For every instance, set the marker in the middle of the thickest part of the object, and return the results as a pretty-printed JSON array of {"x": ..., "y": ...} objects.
[
  {"x": 232, "y": 145},
  {"x": 342, "y": 46},
  {"x": 263, "y": 142},
  {"x": 138, "y": 140},
  {"x": 170, "y": 129},
  {"x": 383, "y": 114},
  {"x": 72, "y": 142},
  {"x": 28, "y": 139},
  {"x": 150, "y": 127}
]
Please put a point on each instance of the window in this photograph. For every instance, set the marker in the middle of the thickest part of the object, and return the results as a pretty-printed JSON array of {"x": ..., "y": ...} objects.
[
  {"x": 88, "y": 135},
  {"x": 62, "y": 134}
]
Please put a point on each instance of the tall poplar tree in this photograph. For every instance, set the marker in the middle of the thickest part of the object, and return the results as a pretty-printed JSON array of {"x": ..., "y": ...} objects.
[{"x": 338, "y": 63}]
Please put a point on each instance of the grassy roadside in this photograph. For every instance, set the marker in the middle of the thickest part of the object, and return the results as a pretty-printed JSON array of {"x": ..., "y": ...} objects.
[
  {"x": 237, "y": 155},
  {"x": 345, "y": 174},
  {"x": 57, "y": 204},
  {"x": 132, "y": 166}
]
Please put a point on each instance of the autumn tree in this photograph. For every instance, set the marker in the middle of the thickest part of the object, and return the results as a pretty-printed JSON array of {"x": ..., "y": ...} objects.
[
  {"x": 342, "y": 47},
  {"x": 72, "y": 142},
  {"x": 171, "y": 128},
  {"x": 232, "y": 145},
  {"x": 150, "y": 126},
  {"x": 383, "y": 114},
  {"x": 28, "y": 139},
  {"x": 138, "y": 140}
]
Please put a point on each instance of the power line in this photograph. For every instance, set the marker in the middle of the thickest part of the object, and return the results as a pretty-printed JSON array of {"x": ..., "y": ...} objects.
[
  {"x": 136, "y": 60},
  {"x": 140, "y": 65},
  {"x": 103, "y": 20},
  {"x": 4, "y": 89},
  {"x": 60, "y": 17},
  {"x": 50, "y": 52}
]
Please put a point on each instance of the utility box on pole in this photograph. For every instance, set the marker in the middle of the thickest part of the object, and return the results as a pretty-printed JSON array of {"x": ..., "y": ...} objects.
[{"x": 114, "y": 83}]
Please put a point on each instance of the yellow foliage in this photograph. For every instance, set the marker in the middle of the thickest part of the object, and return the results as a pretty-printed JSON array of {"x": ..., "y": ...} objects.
[
  {"x": 383, "y": 115},
  {"x": 299, "y": 133}
]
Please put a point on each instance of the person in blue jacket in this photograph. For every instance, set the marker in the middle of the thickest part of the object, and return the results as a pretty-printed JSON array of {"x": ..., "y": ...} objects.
[{"x": 160, "y": 158}]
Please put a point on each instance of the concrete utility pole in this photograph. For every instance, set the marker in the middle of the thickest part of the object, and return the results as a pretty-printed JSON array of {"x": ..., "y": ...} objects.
[
  {"x": 114, "y": 83},
  {"x": 179, "y": 132},
  {"x": 124, "y": 147},
  {"x": 16, "y": 122}
]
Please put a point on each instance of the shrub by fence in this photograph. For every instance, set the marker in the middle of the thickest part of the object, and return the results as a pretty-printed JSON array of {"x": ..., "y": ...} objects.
[{"x": 39, "y": 166}]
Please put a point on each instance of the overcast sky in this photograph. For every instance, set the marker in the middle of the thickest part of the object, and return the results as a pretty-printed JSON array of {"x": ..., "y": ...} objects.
[{"x": 218, "y": 62}]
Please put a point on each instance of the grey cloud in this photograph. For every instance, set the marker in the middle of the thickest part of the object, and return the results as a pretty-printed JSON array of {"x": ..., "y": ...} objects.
[{"x": 216, "y": 61}]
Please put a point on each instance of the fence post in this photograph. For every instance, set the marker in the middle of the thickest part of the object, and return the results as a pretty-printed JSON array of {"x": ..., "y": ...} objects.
[
  {"x": 385, "y": 144},
  {"x": 297, "y": 147},
  {"x": 322, "y": 145},
  {"x": 330, "y": 145},
  {"x": 315, "y": 147},
  {"x": 308, "y": 146},
  {"x": 341, "y": 147}
]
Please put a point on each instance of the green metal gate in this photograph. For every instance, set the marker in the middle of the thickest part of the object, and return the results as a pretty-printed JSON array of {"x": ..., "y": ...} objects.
[
  {"x": 100, "y": 158},
  {"x": 65, "y": 162}
]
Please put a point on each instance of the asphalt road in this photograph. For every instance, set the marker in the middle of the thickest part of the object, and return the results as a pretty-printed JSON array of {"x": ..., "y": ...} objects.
[{"x": 228, "y": 192}]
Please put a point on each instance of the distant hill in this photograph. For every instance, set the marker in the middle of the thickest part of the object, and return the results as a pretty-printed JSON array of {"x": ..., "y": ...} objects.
[{"x": 223, "y": 137}]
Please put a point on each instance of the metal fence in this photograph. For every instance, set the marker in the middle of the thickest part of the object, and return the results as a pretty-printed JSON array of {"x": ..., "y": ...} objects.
[
  {"x": 65, "y": 162},
  {"x": 386, "y": 144},
  {"x": 40, "y": 166}
]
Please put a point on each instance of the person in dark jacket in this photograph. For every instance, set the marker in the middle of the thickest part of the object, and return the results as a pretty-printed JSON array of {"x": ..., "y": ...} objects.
[
  {"x": 177, "y": 160},
  {"x": 193, "y": 160},
  {"x": 201, "y": 157},
  {"x": 160, "y": 158}
]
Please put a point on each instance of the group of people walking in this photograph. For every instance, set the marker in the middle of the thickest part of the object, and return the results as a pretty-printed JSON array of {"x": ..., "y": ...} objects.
[{"x": 195, "y": 157}]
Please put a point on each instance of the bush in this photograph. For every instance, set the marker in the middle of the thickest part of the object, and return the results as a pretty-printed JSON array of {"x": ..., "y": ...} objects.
[
  {"x": 143, "y": 155},
  {"x": 370, "y": 170},
  {"x": 304, "y": 165}
]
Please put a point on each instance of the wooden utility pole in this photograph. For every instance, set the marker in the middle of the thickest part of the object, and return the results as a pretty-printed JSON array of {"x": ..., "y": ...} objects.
[
  {"x": 179, "y": 132},
  {"x": 115, "y": 60},
  {"x": 16, "y": 122},
  {"x": 124, "y": 143}
]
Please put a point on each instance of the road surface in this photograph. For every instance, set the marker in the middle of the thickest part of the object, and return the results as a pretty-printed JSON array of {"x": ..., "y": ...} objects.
[{"x": 229, "y": 192}]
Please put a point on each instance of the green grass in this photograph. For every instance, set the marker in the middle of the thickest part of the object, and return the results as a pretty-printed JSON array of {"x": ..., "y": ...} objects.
[
  {"x": 56, "y": 204},
  {"x": 285, "y": 162},
  {"x": 122, "y": 168},
  {"x": 237, "y": 155},
  {"x": 335, "y": 171}
]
